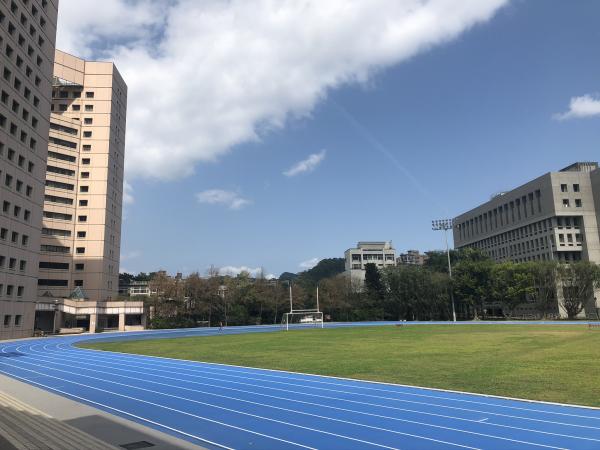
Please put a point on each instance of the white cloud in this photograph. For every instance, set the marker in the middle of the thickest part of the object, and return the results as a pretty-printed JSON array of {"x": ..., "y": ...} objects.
[
  {"x": 309, "y": 264},
  {"x": 581, "y": 107},
  {"x": 128, "y": 197},
  {"x": 220, "y": 197},
  {"x": 254, "y": 272},
  {"x": 205, "y": 76},
  {"x": 307, "y": 165}
]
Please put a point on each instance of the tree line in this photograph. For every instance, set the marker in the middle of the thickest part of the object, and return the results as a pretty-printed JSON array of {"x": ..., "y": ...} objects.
[{"x": 481, "y": 289}]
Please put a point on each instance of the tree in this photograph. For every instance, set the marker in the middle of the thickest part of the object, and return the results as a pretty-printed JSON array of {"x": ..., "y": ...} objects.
[
  {"x": 544, "y": 276},
  {"x": 578, "y": 281},
  {"x": 511, "y": 284},
  {"x": 471, "y": 284},
  {"x": 374, "y": 293}
]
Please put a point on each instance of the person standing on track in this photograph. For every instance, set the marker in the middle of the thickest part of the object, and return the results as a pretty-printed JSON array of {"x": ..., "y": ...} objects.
[{"x": 220, "y": 326}]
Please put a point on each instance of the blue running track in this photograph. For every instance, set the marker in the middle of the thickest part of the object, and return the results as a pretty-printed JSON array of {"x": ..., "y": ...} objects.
[{"x": 231, "y": 407}]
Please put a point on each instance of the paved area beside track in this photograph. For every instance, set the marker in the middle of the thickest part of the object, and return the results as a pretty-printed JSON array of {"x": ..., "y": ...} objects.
[{"x": 224, "y": 406}]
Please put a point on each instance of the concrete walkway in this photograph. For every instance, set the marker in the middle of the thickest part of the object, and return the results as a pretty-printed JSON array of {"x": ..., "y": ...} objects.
[
  {"x": 27, "y": 428},
  {"x": 34, "y": 419}
]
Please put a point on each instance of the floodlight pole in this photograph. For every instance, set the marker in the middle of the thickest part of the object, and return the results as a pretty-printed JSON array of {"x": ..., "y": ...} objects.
[
  {"x": 318, "y": 298},
  {"x": 291, "y": 300},
  {"x": 446, "y": 224}
]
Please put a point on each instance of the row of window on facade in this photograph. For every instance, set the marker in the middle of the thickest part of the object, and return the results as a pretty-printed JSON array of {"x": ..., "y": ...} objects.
[
  {"x": 60, "y": 249},
  {"x": 74, "y": 93},
  {"x": 11, "y": 291},
  {"x": 62, "y": 107},
  {"x": 59, "y": 283},
  {"x": 511, "y": 212},
  {"x": 14, "y": 236},
  {"x": 565, "y": 188},
  {"x": 18, "y": 185},
  {"x": 16, "y": 108},
  {"x": 12, "y": 263},
  {"x": 16, "y": 159},
  {"x": 567, "y": 203},
  {"x": 372, "y": 257},
  {"x": 7, "y": 322}
]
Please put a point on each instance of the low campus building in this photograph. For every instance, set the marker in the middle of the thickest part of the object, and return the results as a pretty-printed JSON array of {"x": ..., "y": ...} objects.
[{"x": 380, "y": 253}]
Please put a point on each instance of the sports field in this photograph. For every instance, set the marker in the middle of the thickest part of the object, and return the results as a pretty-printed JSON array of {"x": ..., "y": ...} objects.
[{"x": 558, "y": 363}]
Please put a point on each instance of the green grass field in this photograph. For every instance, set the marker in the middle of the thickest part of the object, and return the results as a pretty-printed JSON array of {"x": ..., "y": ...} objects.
[{"x": 558, "y": 363}]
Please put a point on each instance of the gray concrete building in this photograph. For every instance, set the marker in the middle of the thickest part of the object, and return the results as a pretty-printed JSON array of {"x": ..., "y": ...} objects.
[
  {"x": 412, "y": 258},
  {"x": 27, "y": 39},
  {"x": 380, "y": 253},
  {"x": 553, "y": 217}
]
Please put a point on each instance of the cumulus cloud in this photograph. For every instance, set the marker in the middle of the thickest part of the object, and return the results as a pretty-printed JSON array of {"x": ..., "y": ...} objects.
[
  {"x": 309, "y": 264},
  {"x": 254, "y": 272},
  {"x": 581, "y": 107},
  {"x": 220, "y": 197},
  {"x": 205, "y": 76},
  {"x": 307, "y": 165}
]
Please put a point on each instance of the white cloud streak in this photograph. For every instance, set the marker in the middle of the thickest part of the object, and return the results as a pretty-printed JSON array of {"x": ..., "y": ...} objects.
[
  {"x": 236, "y": 270},
  {"x": 230, "y": 199},
  {"x": 309, "y": 264},
  {"x": 581, "y": 107},
  {"x": 206, "y": 76},
  {"x": 307, "y": 165}
]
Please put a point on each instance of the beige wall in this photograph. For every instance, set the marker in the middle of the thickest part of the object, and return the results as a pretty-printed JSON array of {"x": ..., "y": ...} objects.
[
  {"x": 24, "y": 112},
  {"x": 95, "y": 107}
]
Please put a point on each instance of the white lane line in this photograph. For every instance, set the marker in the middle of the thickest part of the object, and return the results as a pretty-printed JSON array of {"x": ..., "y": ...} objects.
[
  {"x": 324, "y": 406},
  {"x": 321, "y": 405},
  {"x": 213, "y": 406},
  {"x": 155, "y": 404},
  {"x": 148, "y": 366},
  {"x": 110, "y": 408},
  {"x": 308, "y": 378}
]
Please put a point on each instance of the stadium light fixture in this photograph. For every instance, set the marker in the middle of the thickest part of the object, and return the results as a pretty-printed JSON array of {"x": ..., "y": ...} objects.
[{"x": 446, "y": 224}]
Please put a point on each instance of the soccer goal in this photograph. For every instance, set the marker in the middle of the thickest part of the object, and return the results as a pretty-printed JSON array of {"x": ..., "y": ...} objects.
[{"x": 302, "y": 318}]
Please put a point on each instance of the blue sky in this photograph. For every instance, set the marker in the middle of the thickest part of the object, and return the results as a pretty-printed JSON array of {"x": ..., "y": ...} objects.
[{"x": 426, "y": 137}]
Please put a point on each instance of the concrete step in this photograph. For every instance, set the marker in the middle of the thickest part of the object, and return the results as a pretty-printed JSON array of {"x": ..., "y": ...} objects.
[{"x": 27, "y": 428}]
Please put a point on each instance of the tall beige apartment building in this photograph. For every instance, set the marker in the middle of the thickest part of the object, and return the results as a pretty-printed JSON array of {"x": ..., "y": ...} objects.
[
  {"x": 554, "y": 217},
  {"x": 27, "y": 39},
  {"x": 81, "y": 228}
]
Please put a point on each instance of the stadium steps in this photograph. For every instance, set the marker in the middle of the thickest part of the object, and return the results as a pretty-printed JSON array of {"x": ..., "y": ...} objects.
[{"x": 26, "y": 428}]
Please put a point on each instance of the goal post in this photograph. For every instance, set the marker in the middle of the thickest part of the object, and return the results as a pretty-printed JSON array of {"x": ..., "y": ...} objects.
[{"x": 301, "y": 318}]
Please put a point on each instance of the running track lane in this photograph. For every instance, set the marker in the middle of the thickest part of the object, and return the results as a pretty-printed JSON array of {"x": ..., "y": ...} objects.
[{"x": 231, "y": 407}]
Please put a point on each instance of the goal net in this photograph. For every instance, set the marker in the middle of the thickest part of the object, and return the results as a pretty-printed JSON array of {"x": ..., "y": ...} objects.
[{"x": 301, "y": 318}]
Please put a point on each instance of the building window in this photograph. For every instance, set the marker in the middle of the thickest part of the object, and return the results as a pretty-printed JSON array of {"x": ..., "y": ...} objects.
[
  {"x": 565, "y": 203},
  {"x": 88, "y": 121},
  {"x": 7, "y": 318},
  {"x": 578, "y": 203},
  {"x": 78, "y": 283},
  {"x": 85, "y": 174},
  {"x": 89, "y": 108},
  {"x": 81, "y": 234},
  {"x": 84, "y": 188},
  {"x": 87, "y": 134},
  {"x": 82, "y": 218},
  {"x": 563, "y": 188},
  {"x": 83, "y": 202},
  {"x": 89, "y": 95},
  {"x": 575, "y": 188},
  {"x": 80, "y": 250},
  {"x": 79, "y": 266}
]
